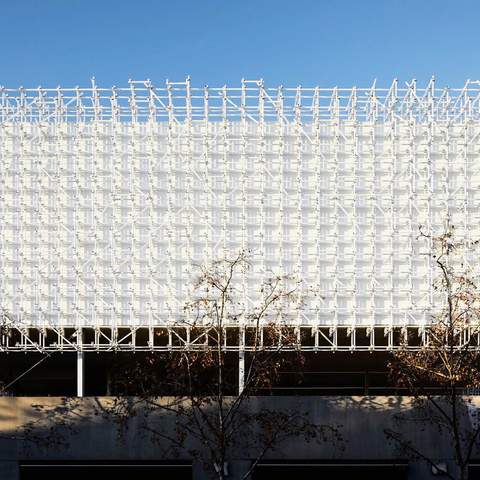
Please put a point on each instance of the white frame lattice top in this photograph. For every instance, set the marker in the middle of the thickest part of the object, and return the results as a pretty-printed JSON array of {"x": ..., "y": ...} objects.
[{"x": 143, "y": 101}]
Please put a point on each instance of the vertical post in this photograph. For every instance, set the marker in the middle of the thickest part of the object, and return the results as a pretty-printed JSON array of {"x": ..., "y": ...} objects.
[
  {"x": 80, "y": 370},
  {"x": 241, "y": 359},
  {"x": 80, "y": 374},
  {"x": 241, "y": 371}
]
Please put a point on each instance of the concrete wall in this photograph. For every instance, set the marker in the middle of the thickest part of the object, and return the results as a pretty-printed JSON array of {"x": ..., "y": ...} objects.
[{"x": 363, "y": 420}]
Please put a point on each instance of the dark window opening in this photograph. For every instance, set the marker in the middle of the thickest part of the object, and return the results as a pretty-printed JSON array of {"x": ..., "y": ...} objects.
[
  {"x": 105, "y": 470},
  {"x": 474, "y": 472},
  {"x": 328, "y": 471}
]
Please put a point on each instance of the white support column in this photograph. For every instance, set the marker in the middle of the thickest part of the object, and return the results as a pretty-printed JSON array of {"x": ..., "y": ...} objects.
[
  {"x": 241, "y": 371},
  {"x": 80, "y": 374},
  {"x": 241, "y": 360}
]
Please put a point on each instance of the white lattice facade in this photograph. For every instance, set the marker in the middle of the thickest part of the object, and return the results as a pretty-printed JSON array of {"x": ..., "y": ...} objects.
[{"x": 106, "y": 207}]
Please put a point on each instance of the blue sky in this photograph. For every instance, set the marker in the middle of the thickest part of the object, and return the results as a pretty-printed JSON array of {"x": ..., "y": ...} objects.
[{"x": 308, "y": 42}]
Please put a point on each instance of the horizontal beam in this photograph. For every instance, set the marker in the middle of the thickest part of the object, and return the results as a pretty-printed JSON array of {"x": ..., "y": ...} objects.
[{"x": 170, "y": 338}]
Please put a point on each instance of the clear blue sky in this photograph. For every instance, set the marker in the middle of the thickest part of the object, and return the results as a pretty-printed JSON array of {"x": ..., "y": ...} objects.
[{"x": 308, "y": 42}]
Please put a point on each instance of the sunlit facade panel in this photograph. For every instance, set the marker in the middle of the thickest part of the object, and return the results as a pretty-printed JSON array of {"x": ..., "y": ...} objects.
[{"x": 104, "y": 221}]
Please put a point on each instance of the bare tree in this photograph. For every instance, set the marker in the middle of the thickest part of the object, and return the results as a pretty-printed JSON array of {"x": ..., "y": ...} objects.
[
  {"x": 213, "y": 418},
  {"x": 52, "y": 425},
  {"x": 440, "y": 374}
]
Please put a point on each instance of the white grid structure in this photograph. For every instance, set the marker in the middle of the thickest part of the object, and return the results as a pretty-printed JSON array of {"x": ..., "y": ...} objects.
[{"x": 110, "y": 196}]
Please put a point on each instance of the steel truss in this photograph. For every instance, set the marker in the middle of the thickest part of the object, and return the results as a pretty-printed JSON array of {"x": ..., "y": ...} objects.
[{"x": 164, "y": 339}]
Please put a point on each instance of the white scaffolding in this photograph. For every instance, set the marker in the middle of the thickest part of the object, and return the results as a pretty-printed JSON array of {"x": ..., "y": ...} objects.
[{"x": 110, "y": 196}]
